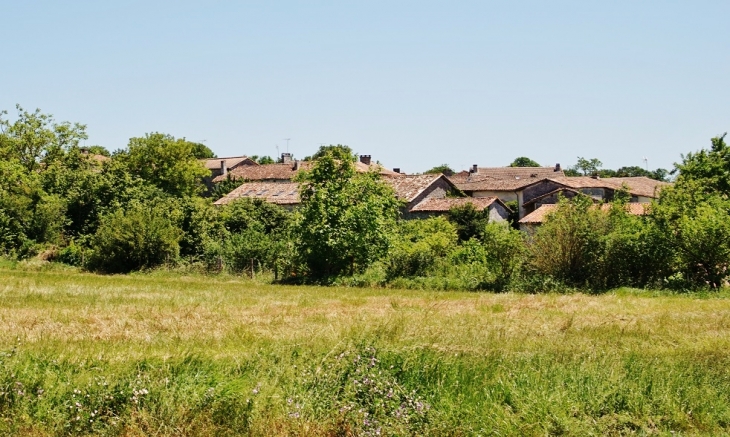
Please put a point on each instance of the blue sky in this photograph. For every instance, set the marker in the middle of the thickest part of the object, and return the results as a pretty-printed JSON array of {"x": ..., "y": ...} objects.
[{"x": 412, "y": 83}]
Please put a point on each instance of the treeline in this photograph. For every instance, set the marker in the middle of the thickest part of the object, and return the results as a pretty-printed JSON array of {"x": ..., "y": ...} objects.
[{"x": 143, "y": 208}]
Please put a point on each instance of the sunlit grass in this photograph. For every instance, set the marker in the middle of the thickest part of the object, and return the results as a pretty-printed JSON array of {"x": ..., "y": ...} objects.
[{"x": 231, "y": 356}]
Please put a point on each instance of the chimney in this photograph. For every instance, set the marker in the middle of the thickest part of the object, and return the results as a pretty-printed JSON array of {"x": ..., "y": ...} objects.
[
  {"x": 397, "y": 170},
  {"x": 286, "y": 158},
  {"x": 365, "y": 159},
  {"x": 557, "y": 167},
  {"x": 296, "y": 165},
  {"x": 474, "y": 169},
  {"x": 224, "y": 169},
  {"x": 595, "y": 176}
]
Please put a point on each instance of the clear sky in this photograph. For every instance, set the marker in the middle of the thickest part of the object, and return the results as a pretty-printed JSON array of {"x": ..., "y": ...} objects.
[{"x": 412, "y": 83}]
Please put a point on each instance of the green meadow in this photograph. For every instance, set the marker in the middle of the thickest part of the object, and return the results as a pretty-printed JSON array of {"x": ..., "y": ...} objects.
[{"x": 169, "y": 355}]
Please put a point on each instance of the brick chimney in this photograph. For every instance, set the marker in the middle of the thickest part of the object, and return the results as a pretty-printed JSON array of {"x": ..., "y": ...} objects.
[
  {"x": 557, "y": 167},
  {"x": 474, "y": 169},
  {"x": 365, "y": 159},
  {"x": 224, "y": 168},
  {"x": 286, "y": 158}
]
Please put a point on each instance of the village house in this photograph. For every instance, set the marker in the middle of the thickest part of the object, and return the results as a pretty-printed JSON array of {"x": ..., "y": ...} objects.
[{"x": 273, "y": 183}]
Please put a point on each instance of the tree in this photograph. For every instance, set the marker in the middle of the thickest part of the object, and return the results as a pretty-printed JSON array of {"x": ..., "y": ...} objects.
[
  {"x": 345, "y": 219},
  {"x": 168, "y": 163},
  {"x": 468, "y": 220},
  {"x": 587, "y": 167},
  {"x": 710, "y": 167},
  {"x": 140, "y": 236},
  {"x": 441, "y": 169},
  {"x": 338, "y": 149},
  {"x": 35, "y": 137},
  {"x": 201, "y": 151},
  {"x": 262, "y": 160},
  {"x": 524, "y": 161}
]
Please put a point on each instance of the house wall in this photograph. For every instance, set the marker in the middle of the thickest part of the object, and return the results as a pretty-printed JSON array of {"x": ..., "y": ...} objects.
[
  {"x": 497, "y": 213},
  {"x": 436, "y": 190}
]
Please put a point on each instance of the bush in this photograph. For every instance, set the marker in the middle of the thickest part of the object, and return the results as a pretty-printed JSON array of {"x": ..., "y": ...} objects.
[
  {"x": 419, "y": 245},
  {"x": 141, "y": 236}
]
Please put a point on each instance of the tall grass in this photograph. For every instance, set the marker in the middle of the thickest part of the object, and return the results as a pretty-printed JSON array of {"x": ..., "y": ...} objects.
[{"x": 164, "y": 355}]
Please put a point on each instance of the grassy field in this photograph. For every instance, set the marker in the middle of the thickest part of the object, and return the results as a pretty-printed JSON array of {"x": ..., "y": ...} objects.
[{"x": 162, "y": 355}]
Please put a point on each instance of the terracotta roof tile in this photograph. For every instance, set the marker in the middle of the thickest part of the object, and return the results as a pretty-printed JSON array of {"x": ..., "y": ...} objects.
[
  {"x": 444, "y": 205},
  {"x": 286, "y": 172},
  {"x": 538, "y": 216},
  {"x": 280, "y": 193},
  {"x": 408, "y": 187},
  {"x": 232, "y": 161}
]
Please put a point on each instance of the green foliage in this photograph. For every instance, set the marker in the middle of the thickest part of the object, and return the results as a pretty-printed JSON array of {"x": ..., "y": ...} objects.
[
  {"x": 141, "y": 236},
  {"x": 345, "y": 219},
  {"x": 28, "y": 215},
  {"x": 696, "y": 226},
  {"x": 339, "y": 150},
  {"x": 441, "y": 169},
  {"x": 469, "y": 222},
  {"x": 505, "y": 252},
  {"x": 711, "y": 168},
  {"x": 165, "y": 162},
  {"x": 587, "y": 167},
  {"x": 99, "y": 150},
  {"x": 419, "y": 246},
  {"x": 35, "y": 138},
  {"x": 263, "y": 160},
  {"x": 524, "y": 161},
  {"x": 201, "y": 151},
  {"x": 222, "y": 188}
]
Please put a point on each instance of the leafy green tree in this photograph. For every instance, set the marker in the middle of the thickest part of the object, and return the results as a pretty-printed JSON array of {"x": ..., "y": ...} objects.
[
  {"x": 709, "y": 167},
  {"x": 262, "y": 160},
  {"x": 468, "y": 221},
  {"x": 587, "y": 167},
  {"x": 141, "y": 236},
  {"x": 168, "y": 163},
  {"x": 99, "y": 150},
  {"x": 338, "y": 149},
  {"x": 28, "y": 215},
  {"x": 201, "y": 151},
  {"x": 524, "y": 161},
  {"x": 345, "y": 220},
  {"x": 419, "y": 246},
  {"x": 35, "y": 138},
  {"x": 441, "y": 169}
]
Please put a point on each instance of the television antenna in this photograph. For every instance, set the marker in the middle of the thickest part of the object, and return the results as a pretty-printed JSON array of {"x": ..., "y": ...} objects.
[{"x": 287, "y": 144}]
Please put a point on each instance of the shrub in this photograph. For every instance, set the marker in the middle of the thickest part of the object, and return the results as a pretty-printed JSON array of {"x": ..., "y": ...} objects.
[
  {"x": 419, "y": 245},
  {"x": 138, "y": 237}
]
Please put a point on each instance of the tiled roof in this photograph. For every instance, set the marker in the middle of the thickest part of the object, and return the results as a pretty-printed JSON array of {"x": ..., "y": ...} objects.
[
  {"x": 579, "y": 182},
  {"x": 641, "y": 185},
  {"x": 408, "y": 187},
  {"x": 519, "y": 172},
  {"x": 538, "y": 216},
  {"x": 286, "y": 172},
  {"x": 503, "y": 178},
  {"x": 539, "y": 198},
  {"x": 489, "y": 184},
  {"x": 215, "y": 163},
  {"x": 281, "y": 193},
  {"x": 444, "y": 205}
]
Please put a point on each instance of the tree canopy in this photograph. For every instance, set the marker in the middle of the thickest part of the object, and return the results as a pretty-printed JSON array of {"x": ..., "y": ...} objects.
[
  {"x": 524, "y": 161},
  {"x": 443, "y": 168},
  {"x": 345, "y": 217}
]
